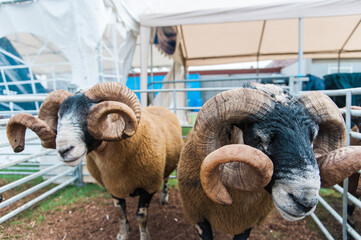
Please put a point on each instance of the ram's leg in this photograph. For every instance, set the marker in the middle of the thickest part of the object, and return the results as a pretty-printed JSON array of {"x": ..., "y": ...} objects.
[
  {"x": 244, "y": 235},
  {"x": 164, "y": 194},
  {"x": 123, "y": 221},
  {"x": 204, "y": 230},
  {"x": 142, "y": 214}
]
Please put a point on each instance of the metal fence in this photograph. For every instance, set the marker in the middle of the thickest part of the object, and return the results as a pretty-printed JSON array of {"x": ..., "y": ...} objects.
[
  {"x": 29, "y": 166},
  {"x": 346, "y": 228}
]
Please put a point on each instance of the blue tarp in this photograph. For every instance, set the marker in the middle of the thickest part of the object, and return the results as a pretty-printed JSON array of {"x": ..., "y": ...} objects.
[
  {"x": 343, "y": 81},
  {"x": 12, "y": 75},
  {"x": 193, "y": 98}
]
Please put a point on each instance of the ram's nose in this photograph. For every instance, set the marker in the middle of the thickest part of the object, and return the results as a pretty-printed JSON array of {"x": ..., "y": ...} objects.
[
  {"x": 64, "y": 151},
  {"x": 307, "y": 203}
]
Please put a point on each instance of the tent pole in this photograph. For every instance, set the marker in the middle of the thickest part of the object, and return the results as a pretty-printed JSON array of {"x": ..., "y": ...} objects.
[
  {"x": 259, "y": 47},
  {"x": 300, "y": 46},
  {"x": 144, "y": 47}
]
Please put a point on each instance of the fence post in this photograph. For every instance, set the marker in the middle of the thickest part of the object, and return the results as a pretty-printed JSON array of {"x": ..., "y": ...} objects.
[
  {"x": 291, "y": 84},
  {"x": 78, "y": 173}
]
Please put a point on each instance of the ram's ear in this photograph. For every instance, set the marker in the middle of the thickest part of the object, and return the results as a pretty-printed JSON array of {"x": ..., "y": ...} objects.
[
  {"x": 111, "y": 121},
  {"x": 339, "y": 164},
  {"x": 236, "y": 166}
]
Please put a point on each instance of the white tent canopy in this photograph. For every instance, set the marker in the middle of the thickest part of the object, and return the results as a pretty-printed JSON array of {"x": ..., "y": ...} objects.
[
  {"x": 75, "y": 29},
  {"x": 211, "y": 32},
  {"x": 215, "y": 32}
]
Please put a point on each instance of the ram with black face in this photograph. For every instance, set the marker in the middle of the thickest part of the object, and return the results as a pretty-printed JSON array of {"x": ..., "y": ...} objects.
[
  {"x": 258, "y": 147},
  {"x": 128, "y": 150}
]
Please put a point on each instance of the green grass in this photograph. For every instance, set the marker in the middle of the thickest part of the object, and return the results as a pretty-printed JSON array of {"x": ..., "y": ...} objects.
[
  {"x": 10, "y": 178},
  {"x": 64, "y": 197},
  {"x": 185, "y": 131}
]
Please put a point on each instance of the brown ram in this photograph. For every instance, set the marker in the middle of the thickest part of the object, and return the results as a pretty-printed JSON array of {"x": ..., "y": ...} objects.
[
  {"x": 251, "y": 150},
  {"x": 129, "y": 151}
]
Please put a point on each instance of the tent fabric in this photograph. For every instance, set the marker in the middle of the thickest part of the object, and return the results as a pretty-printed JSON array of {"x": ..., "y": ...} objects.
[
  {"x": 76, "y": 29},
  {"x": 213, "y": 32},
  {"x": 174, "y": 12},
  {"x": 218, "y": 32},
  {"x": 206, "y": 44}
]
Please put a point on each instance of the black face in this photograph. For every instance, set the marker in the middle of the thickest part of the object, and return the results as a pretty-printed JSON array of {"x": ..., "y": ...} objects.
[
  {"x": 77, "y": 108},
  {"x": 285, "y": 135}
]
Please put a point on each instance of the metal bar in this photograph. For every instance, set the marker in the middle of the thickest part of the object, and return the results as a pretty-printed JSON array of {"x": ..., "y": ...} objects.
[
  {"x": 33, "y": 189},
  {"x": 350, "y": 196},
  {"x": 23, "y": 168},
  {"x": 223, "y": 79},
  {"x": 3, "y": 121},
  {"x": 15, "y": 173},
  {"x": 12, "y": 112},
  {"x": 175, "y": 101},
  {"x": 12, "y": 56},
  {"x": 29, "y": 173},
  {"x": 322, "y": 227},
  {"x": 78, "y": 173},
  {"x": 188, "y": 108},
  {"x": 14, "y": 162},
  {"x": 23, "y": 98},
  {"x": 16, "y": 1},
  {"x": 144, "y": 51},
  {"x": 355, "y": 135},
  {"x": 35, "y": 200},
  {"x": 355, "y": 113},
  {"x": 339, "y": 92},
  {"x": 28, "y": 178},
  {"x": 34, "y": 65},
  {"x": 300, "y": 45},
  {"x": 7, "y": 144},
  {"x": 338, "y": 218},
  {"x": 20, "y": 154},
  {"x": 20, "y": 82},
  {"x": 345, "y": 182},
  {"x": 185, "y": 90}
]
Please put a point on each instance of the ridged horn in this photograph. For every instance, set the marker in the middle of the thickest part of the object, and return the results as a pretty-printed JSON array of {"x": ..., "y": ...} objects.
[
  {"x": 252, "y": 170},
  {"x": 125, "y": 119},
  {"x": 45, "y": 126},
  {"x": 48, "y": 111},
  {"x": 122, "y": 124},
  {"x": 332, "y": 129},
  {"x": 223, "y": 110},
  {"x": 113, "y": 91},
  {"x": 219, "y": 113},
  {"x": 339, "y": 164},
  {"x": 16, "y": 127}
]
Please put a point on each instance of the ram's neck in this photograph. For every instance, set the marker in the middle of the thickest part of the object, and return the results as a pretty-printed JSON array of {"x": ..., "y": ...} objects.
[{"x": 126, "y": 151}]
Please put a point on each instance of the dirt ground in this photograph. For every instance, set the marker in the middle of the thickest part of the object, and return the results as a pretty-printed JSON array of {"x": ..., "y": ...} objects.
[{"x": 97, "y": 220}]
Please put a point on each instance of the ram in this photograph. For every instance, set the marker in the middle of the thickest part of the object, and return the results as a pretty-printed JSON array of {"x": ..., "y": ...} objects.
[
  {"x": 256, "y": 148},
  {"x": 129, "y": 151}
]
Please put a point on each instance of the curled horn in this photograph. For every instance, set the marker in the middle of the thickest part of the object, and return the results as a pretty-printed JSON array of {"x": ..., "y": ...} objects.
[
  {"x": 339, "y": 164},
  {"x": 332, "y": 129},
  {"x": 218, "y": 114},
  {"x": 118, "y": 113},
  {"x": 250, "y": 170},
  {"x": 44, "y": 126},
  {"x": 16, "y": 128},
  {"x": 335, "y": 161}
]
